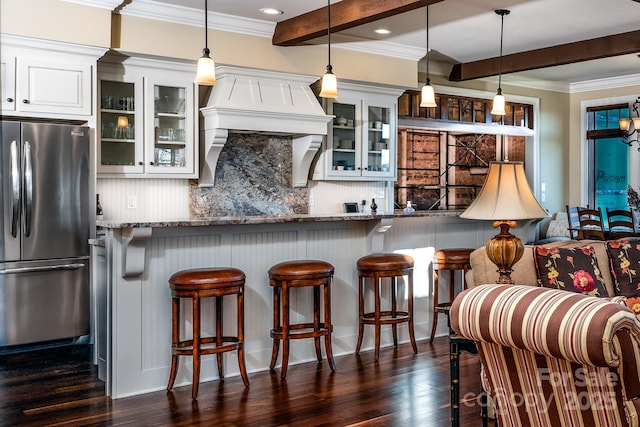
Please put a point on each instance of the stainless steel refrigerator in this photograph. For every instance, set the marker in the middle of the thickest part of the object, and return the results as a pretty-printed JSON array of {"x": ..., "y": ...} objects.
[{"x": 44, "y": 251}]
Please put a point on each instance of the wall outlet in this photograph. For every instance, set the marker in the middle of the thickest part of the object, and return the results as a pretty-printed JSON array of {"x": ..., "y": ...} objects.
[
  {"x": 132, "y": 202},
  {"x": 312, "y": 200}
]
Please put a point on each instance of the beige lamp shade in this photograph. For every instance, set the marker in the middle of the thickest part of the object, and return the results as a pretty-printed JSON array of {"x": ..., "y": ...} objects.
[
  {"x": 428, "y": 96},
  {"x": 206, "y": 72},
  {"x": 624, "y": 124},
  {"x": 329, "y": 87},
  {"x": 505, "y": 195},
  {"x": 498, "y": 105}
]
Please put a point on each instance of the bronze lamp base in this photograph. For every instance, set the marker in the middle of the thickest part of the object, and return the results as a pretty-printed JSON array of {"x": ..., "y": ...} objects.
[{"x": 504, "y": 250}]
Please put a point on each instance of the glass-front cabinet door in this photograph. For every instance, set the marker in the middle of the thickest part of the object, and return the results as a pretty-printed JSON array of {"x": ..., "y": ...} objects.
[
  {"x": 170, "y": 132},
  {"x": 361, "y": 139},
  {"x": 344, "y": 144},
  {"x": 380, "y": 147},
  {"x": 120, "y": 149}
]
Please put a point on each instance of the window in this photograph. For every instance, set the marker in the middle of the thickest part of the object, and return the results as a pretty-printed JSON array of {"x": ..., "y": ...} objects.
[{"x": 608, "y": 157}]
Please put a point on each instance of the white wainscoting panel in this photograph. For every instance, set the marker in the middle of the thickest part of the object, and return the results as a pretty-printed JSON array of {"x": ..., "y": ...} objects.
[{"x": 155, "y": 199}]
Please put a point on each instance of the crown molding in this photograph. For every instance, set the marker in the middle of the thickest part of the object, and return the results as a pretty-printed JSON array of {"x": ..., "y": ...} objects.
[
  {"x": 14, "y": 41},
  {"x": 187, "y": 16},
  {"x": 608, "y": 83},
  {"x": 100, "y": 4}
]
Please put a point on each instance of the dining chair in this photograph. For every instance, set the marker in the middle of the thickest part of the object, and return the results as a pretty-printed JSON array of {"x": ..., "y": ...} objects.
[
  {"x": 574, "y": 222},
  {"x": 621, "y": 223},
  {"x": 591, "y": 225}
]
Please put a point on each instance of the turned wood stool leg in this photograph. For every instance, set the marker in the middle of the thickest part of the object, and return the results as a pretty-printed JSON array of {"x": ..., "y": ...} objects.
[
  {"x": 316, "y": 321},
  {"x": 327, "y": 324},
  {"x": 240, "y": 333},
  {"x": 434, "y": 322},
  {"x": 219, "y": 332},
  {"x": 394, "y": 309},
  {"x": 286, "y": 322},
  {"x": 412, "y": 336},
  {"x": 361, "y": 281},
  {"x": 276, "y": 327},
  {"x": 196, "y": 346},
  {"x": 175, "y": 339},
  {"x": 377, "y": 326}
]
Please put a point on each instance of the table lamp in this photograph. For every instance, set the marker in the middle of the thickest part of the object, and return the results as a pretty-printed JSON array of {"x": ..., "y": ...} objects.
[{"x": 504, "y": 198}]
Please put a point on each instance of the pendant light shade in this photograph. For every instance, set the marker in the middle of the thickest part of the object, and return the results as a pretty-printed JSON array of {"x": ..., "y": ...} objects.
[
  {"x": 329, "y": 88},
  {"x": 498, "y": 104},
  {"x": 498, "y": 100},
  {"x": 427, "y": 95},
  {"x": 329, "y": 84},
  {"x": 206, "y": 71}
]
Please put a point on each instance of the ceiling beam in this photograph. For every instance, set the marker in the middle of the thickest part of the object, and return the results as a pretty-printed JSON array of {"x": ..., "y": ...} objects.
[
  {"x": 585, "y": 50},
  {"x": 344, "y": 14}
]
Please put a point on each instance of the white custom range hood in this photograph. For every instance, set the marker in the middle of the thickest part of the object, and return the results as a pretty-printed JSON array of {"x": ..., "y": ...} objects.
[{"x": 257, "y": 101}]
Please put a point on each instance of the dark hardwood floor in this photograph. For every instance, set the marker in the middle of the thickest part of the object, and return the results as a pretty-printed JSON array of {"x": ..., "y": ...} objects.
[{"x": 58, "y": 387}]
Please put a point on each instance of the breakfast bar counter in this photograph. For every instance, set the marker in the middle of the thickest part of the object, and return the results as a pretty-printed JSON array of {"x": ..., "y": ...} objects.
[{"x": 132, "y": 325}]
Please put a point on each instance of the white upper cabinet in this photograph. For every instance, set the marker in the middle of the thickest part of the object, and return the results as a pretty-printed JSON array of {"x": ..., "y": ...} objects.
[
  {"x": 146, "y": 120},
  {"x": 46, "y": 79},
  {"x": 49, "y": 85},
  {"x": 362, "y": 137}
]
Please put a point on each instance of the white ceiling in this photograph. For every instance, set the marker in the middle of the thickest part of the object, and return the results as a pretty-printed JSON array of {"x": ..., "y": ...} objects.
[{"x": 464, "y": 30}]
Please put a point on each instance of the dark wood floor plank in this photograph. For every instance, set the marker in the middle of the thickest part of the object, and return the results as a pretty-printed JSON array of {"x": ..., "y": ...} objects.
[{"x": 59, "y": 387}]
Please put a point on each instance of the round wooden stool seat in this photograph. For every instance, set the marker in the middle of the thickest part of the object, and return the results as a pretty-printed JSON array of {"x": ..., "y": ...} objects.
[
  {"x": 296, "y": 274},
  {"x": 377, "y": 267},
  {"x": 204, "y": 283},
  {"x": 451, "y": 259},
  {"x": 301, "y": 269},
  {"x": 206, "y": 279},
  {"x": 384, "y": 263}
]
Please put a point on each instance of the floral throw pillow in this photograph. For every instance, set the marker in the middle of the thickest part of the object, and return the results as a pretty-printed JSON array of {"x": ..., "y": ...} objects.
[
  {"x": 624, "y": 257},
  {"x": 569, "y": 269}
]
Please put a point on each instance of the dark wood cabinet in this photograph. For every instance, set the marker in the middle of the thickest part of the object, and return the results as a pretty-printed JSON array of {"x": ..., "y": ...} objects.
[{"x": 464, "y": 109}]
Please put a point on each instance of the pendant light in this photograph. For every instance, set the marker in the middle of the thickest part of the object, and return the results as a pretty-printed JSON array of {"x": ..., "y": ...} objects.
[
  {"x": 428, "y": 96},
  {"x": 498, "y": 100},
  {"x": 329, "y": 87},
  {"x": 206, "y": 72}
]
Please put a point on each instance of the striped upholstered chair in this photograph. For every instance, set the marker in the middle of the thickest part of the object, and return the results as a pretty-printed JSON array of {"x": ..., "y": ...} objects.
[{"x": 551, "y": 357}]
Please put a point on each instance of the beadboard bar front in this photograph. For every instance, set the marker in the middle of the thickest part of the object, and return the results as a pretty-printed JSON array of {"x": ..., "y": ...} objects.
[{"x": 138, "y": 340}]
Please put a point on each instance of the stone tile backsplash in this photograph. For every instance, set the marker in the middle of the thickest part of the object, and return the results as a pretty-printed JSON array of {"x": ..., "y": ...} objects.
[{"x": 253, "y": 177}]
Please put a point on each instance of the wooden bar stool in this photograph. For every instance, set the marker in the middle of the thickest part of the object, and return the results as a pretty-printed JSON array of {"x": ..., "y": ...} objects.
[
  {"x": 297, "y": 274},
  {"x": 377, "y": 267},
  {"x": 205, "y": 283},
  {"x": 452, "y": 260}
]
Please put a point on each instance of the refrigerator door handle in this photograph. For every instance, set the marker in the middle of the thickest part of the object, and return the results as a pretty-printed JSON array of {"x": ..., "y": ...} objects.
[
  {"x": 73, "y": 266},
  {"x": 28, "y": 189},
  {"x": 15, "y": 188}
]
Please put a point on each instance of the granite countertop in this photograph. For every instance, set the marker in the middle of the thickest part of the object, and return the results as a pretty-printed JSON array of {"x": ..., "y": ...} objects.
[{"x": 248, "y": 220}]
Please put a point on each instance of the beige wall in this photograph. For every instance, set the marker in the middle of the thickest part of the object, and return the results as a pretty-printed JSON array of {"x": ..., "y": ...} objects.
[
  {"x": 181, "y": 41},
  {"x": 56, "y": 20}
]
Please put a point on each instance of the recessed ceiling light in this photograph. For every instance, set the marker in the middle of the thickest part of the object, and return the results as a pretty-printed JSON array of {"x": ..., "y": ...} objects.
[
  {"x": 271, "y": 11},
  {"x": 382, "y": 31}
]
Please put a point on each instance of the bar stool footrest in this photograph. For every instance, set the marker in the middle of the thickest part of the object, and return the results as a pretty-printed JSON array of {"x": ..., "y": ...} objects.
[
  {"x": 302, "y": 330},
  {"x": 386, "y": 318}
]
